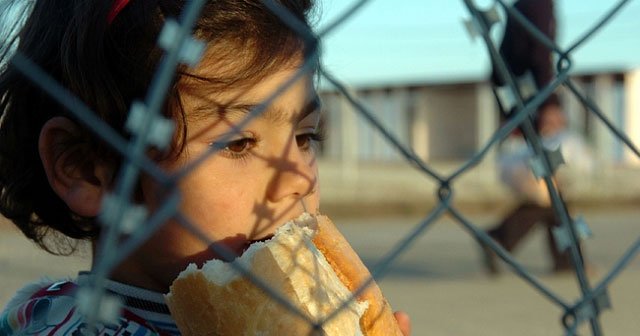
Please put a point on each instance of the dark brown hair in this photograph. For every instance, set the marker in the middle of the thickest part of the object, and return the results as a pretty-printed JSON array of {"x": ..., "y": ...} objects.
[{"x": 108, "y": 66}]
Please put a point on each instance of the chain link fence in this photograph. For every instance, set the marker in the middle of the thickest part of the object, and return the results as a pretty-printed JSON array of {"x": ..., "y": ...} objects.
[{"x": 148, "y": 127}]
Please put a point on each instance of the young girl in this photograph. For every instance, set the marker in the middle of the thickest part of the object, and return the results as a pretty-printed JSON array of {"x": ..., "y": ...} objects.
[{"x": 55, "y": 174}]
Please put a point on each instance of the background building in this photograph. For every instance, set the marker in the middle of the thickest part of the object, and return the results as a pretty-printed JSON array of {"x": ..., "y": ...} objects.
[{"x": 446, "y": 124}]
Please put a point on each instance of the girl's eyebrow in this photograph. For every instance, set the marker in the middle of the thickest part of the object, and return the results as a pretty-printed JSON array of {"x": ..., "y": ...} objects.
[{"x": 275, "y": 115}]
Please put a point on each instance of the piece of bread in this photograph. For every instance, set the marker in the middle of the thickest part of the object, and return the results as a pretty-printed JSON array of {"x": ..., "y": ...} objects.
[
  {"x": 307, "y": 263},
  {"x": 378, "y": 319}
]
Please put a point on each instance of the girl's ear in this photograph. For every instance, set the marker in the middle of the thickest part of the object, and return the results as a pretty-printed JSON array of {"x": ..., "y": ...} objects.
[{"x": 73, "y": 170}]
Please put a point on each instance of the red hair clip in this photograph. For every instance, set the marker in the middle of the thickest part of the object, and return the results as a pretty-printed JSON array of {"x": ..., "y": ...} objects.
[{"x": 118, "y": 5}]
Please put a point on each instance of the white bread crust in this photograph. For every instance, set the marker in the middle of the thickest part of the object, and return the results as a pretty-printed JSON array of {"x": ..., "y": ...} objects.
[{"x": 217, "y": 300}]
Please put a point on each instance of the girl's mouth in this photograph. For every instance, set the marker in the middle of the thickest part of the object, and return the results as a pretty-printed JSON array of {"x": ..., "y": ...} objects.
[
  {"x": 248, "y": 243},
  {"x": 229, "y": 249}
]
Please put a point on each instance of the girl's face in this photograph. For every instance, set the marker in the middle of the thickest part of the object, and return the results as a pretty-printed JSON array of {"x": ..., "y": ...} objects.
[{"x": 264, "y": 175}]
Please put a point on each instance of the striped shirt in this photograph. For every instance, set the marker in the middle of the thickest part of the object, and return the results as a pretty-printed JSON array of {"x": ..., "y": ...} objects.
[{"x": 53, "y": 308}]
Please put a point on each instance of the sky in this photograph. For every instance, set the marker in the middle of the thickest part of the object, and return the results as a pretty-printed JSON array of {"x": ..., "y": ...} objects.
[{"x": 417, "y": 41}]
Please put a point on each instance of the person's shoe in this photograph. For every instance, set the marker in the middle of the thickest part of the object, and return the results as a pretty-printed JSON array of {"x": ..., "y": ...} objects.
[
  {"x": 562, "y": 269},
  {"x": 562, "y": 263},
  {"x": 589, "y": 269},
  {"x": 489, "y": 259}
]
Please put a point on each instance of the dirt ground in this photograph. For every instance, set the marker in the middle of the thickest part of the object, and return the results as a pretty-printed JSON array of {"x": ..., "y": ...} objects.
[{"x": 439, "y": 280}]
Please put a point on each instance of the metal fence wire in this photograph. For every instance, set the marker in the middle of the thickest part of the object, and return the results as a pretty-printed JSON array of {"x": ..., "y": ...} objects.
[{"x": 121, "y": 216}]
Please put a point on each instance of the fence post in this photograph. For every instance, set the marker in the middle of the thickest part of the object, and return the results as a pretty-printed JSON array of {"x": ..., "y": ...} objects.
[
  {"x": 632, "y": 113},
  {"x": 487, "y": 116},
  {"x": 349, "y": 169},
  {"x": 604, "y": 97},
  {"x": 420, "y": 125}
]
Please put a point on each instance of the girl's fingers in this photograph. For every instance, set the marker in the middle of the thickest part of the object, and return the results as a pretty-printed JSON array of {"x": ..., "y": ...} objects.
[{"x": 404, "y": 322}]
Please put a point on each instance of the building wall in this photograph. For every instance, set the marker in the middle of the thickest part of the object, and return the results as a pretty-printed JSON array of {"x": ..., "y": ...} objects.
[
  {"x": 610, "y": 94},
  {"x": 451, "y": 122},
  {"x": 437, "y": 123},
  {"x": 446, "y": 118}
]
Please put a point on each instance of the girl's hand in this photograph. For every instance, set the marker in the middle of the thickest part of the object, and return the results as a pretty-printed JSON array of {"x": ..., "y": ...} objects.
[{"x": 404, "y": 322}]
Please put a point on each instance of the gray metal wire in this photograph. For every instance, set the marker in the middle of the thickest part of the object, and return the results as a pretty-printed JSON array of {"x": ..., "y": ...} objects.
[{"x": 587, "y": 307}]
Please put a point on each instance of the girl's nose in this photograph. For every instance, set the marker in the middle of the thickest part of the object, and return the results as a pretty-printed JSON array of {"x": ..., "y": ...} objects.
[{"x": 294, "y": 176}]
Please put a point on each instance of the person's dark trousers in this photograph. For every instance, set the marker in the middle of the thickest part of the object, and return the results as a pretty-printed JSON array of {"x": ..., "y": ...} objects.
[{"x": 518, "y": 223}]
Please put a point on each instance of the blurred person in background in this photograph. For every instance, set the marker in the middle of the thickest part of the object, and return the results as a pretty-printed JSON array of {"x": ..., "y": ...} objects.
[
  {"x": 524, "y": 55},
  {"x": 534, "y": 205}
]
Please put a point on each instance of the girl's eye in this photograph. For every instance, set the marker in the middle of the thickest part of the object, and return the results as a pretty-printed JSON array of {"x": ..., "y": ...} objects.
[
  {"x": 306, "y": 141},
  {"x": 237, "y": 149},
  {"x": 239, "y": 146}
]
